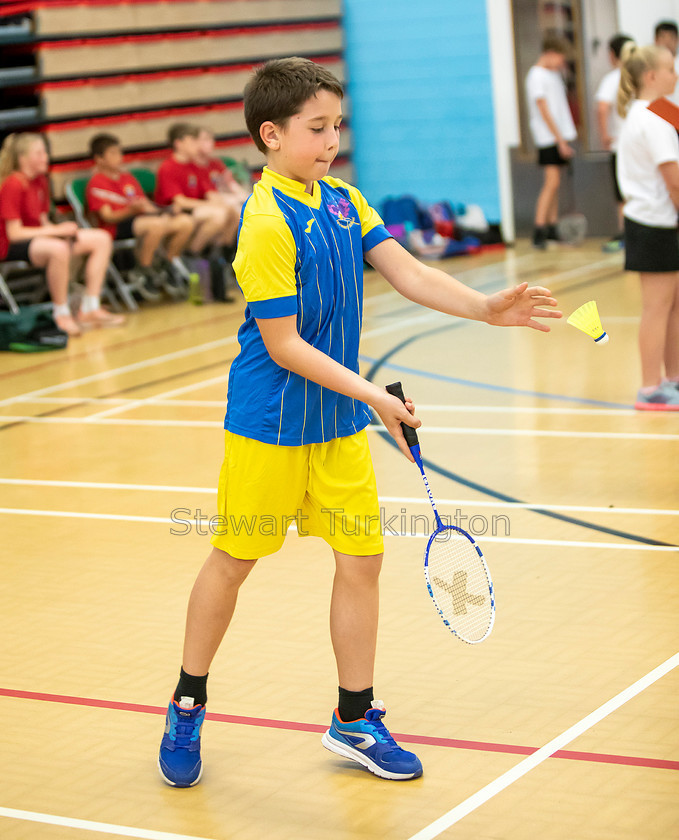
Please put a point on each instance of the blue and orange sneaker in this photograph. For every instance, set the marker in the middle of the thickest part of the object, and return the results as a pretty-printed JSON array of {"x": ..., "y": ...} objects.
[
  {"x": 664, "y": 398},
  {"x": 179, "y": 760},
  {"x": 369, "y": 742}
]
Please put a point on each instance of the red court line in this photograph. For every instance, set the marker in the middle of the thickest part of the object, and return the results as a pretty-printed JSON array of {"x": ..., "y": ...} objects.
[{"x": 455, "y": 743}]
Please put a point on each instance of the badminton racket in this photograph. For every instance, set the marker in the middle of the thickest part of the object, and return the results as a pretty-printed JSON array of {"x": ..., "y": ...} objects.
[{"x": 458, "y": 580}]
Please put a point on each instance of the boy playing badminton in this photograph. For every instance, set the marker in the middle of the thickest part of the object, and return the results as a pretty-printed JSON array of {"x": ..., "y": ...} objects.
[{"x": 296, "y": 445}]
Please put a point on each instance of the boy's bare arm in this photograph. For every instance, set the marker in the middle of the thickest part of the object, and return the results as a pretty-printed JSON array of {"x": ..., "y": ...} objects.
[
  {"x": 437, "y": 290},
  {"x": 289, "y": 350},
  {"x": 183, "y": 202},
  {"x": 112, "y": 217},
  {"x": 17, "y": 231}
]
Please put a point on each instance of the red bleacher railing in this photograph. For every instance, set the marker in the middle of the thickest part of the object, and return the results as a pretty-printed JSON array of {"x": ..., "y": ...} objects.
[{"x": 10, "y": 9}]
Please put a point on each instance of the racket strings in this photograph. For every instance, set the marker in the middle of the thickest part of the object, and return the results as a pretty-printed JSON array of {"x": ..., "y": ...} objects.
[{"x": 460, "y": 585}]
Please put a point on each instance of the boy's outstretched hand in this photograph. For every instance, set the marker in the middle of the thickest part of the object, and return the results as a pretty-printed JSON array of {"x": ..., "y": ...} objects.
[{"x": 519, "y": 306}]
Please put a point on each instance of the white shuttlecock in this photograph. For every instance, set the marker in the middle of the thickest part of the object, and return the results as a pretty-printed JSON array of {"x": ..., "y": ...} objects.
[{"x": 586, "y": 318}]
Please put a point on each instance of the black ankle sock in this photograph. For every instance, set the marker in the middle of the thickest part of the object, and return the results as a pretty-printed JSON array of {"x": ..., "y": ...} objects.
[
  {"x": 354, "y": 704},
  {"x": 190, "y": 686}
]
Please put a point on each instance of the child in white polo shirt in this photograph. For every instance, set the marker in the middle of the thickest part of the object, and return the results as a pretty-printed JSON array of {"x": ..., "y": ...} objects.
[
  {"x": 553, "y": 129},
  {"x": 648, "y": 174}
]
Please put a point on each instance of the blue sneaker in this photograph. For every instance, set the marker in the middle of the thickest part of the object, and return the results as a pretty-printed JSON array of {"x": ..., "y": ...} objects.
[
  {"x": 179, "y": 761},
  {"x": 369, "y": 742}
]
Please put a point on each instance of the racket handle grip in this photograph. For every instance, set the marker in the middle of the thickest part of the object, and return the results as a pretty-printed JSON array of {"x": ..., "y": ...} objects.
[{"x": 396, "y": 390}]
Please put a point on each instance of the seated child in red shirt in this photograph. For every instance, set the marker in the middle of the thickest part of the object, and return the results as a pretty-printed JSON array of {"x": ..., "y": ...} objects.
[
  {"x": 117, "y": 202},
  {"x": 27, "y": 234},
  {"x": 183, "y": 186},
  {"x": 223, "y": 186}
]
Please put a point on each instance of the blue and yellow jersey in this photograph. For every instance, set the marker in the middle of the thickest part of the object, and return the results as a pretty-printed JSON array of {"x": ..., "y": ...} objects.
[{"x": 300, "y": 254}]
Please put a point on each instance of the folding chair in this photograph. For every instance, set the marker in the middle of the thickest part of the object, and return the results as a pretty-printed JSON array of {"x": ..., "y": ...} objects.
[
  {"x": 239, "y": 170},
  {"x": 147, "y": 180},
  {"x": 75, "y": 193},
  {"x": 5, "y": 291}
]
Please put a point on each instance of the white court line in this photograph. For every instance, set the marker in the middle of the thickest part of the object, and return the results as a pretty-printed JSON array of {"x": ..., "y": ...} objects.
[
  {"x": 582, "y": 269},
  {"x": 184, "y": 521},
  {"x": 169, "y": 488},
  {"x": 104, "y": 374},
  {"x": 469, "y": 409},
  {"x": 461, "y": 430},
  {"x": 101, "y": 485},
  {"x": 525, "y": 505},
  {"x": 111, "y": 421},
  {"x": 429, "y": 317},
  {"x": 97, "y": 420},
  {"x": 205, "y": 383},
  {"x": 532, "y": 761},
  {"x": 472, "y": 409},
  {"x": 126, "y": 401},
  {"x": 524, "y": 409},
  {"x": 90, "y": 825},
  {"x": 153, "y": 360},
  {"x": 188, "y": 351}
]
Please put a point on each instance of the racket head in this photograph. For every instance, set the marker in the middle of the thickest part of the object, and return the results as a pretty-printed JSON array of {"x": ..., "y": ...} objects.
[{"x": 459, "y": 583}]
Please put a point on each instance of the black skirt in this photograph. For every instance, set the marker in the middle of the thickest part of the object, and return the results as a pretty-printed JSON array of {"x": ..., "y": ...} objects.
[{"x": 651, "y": 250}]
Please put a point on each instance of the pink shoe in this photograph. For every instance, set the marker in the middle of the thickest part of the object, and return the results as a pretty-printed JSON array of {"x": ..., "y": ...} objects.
[
  {"x": 68, "y": 324},
  {"x": 100, "y": 318}
]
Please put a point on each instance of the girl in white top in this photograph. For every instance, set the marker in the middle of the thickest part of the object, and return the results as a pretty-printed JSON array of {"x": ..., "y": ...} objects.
[
  {"x": 648, "y": 174},
  {"x": 552, "y": 127}
]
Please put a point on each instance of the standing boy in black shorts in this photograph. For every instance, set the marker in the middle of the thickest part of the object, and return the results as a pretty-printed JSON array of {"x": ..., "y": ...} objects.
[{"x": 552, "y": 127}]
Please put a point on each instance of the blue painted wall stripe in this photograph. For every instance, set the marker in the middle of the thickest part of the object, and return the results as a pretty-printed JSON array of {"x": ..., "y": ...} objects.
[{"x": 422, "y": 107}]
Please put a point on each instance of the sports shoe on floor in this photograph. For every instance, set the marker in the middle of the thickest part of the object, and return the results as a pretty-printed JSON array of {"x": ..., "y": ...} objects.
[
  {"x": 179, "y": 761},
  {"x": 613, "y": 245},
  {"x": 142, "y": 281},
  {"x": 369, "y": 742},
  {"x": 664, "y": 398},
  {"x": 540, "y": 238},
  {"x": 553, "y": 234}
]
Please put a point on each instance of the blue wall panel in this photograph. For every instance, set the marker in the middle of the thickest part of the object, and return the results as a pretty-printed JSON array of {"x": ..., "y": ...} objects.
[{"x": 422, "y": 108}]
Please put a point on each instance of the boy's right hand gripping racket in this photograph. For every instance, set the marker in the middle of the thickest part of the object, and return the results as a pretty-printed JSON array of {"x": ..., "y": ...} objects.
[{"x": 458, "y": 579}]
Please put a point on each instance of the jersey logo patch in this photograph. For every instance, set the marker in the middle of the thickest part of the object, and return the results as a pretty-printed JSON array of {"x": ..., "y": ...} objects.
[
  {"x": 341, "y": 210},
  {"x": 308, "y": 227}
]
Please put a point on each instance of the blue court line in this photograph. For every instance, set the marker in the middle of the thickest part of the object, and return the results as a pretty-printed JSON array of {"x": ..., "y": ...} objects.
[
  {"x": 472, "y": 383},
  {"x": 383, "y": 361},
  {"x": 503, "y": 497}
]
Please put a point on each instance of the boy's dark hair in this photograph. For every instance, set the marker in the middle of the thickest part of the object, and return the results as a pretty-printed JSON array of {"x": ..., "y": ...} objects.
[
  {"x": 666, "y": 26},
  {"x": 179, "y": 131},
  {"x": 553, "y": 42},
  {"x": 617, "y": 42},
  {"x": 279, "y": 89},
  {"x": 101, "y": 143}
]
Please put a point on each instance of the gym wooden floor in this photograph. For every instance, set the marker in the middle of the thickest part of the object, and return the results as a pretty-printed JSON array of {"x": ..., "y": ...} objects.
[{"x": 574, "y": 496}]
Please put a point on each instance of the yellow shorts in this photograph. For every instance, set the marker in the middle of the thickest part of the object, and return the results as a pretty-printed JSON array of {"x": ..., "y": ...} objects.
[{"x": 327, "y": 489}]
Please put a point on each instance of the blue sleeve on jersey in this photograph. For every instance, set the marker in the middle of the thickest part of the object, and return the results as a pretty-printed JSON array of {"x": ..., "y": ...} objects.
[
  {"x": 373, "y": 237},
  {"x": 274, "y": 308}
]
